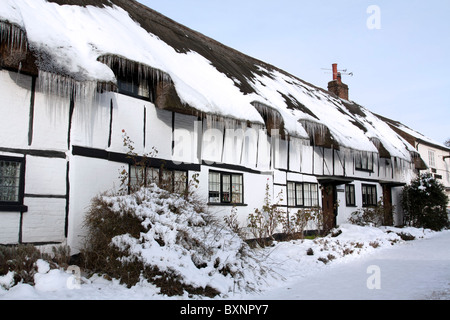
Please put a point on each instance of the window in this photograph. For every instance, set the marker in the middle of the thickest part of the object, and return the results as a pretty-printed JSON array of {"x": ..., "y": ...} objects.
[
  {"x": 350, "y": 195},
  {"x": 11, "y": 184},
  {"x": 302, "y": 194},
  {"x": 226, "y": 188},
  {"x": 172, "y": 180},
  {"x": 133, "y": 87},
  {"x": 364, "y": 161},
  {"x": 431, "y": 160},
  {"x": 369, "y": 195},
  {"x": 291, "y": 194}
]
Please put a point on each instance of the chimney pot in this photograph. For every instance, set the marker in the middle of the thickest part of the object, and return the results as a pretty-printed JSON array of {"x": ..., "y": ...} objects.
[
  {"x": 335, "y": 72},
  {"x": 337, "y": 86}
]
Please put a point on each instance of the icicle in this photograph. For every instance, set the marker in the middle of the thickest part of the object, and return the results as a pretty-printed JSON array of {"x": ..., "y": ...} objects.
[
  {"x": 64, "y": 87},
  {"x": 268, "y": 112},
  {"x": 125, "y": 66},
  {"x": 14, "y": 36},
  {"x": 313, "y": 128}
]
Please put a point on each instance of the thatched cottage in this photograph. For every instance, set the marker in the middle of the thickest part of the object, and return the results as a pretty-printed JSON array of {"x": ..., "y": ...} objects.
[{"x": 76, "y": 74}]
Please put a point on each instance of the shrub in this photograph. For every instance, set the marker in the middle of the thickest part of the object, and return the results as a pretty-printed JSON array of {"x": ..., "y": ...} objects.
[
  {"x": 406, "y": 236},
  {"x": 21, "y": 260},
  {"x": 379, "y": 215},
  {"x": 296, "y": 223},
  {"x": 323, "y": 259},
  {"x": 424, "y": 202},
  {"x": 262, "y": 223},
  {"x": 233, "y": 223},
  {"x": 168, "y": 240}
]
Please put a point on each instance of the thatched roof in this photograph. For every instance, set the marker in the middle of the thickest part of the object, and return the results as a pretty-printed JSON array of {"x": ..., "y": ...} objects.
[{"x": 232, "y": 88}]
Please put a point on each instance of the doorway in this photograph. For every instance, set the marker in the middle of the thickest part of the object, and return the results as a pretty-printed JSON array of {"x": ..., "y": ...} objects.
[{"x": 329, "y": 206}]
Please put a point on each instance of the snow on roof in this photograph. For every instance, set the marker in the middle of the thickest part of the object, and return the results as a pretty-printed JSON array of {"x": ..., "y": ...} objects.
[
  {"x": 415, "y": 134},
  {"x": 69, "y": 36}
]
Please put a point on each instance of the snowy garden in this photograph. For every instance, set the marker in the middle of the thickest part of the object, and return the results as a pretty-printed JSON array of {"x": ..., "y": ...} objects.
[{"x": 154, "y": 244}]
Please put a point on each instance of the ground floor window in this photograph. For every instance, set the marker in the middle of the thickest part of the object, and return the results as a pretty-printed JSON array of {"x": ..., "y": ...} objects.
[
  {"x": 350, "y": 199},
  {"x": 302, "y": 194},
  {"x": 11, "y": 182},
  {"x": 172, "y": 180},
  {"x": 225, "y": 187},
  {"x": 369, "y": 195}
]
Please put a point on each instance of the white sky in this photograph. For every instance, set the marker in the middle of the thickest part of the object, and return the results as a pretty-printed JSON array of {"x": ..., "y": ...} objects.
[{"x": 401, "y": 71}]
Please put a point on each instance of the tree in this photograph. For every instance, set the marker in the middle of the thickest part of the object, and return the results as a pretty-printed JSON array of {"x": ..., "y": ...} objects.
[
  {"x": 447, "y": 143},
  {"x": 424, "y": 202}
]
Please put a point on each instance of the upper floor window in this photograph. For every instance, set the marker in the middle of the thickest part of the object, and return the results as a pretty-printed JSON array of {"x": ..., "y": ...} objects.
[
  {"x": 431, "y": 158},
  {"x": 364, "y": 161},
  {"x": 302, "y": 194},
  {"x": 11, "y": 183},
  {"x": 134, "y": 87}
]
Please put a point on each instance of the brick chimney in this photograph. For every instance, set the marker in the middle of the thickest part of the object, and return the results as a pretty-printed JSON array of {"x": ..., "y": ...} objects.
[{"x": 337, "y": 86}]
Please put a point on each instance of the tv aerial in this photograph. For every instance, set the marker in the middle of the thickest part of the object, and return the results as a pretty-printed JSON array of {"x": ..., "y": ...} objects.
[{"x": 335, "y": 71}]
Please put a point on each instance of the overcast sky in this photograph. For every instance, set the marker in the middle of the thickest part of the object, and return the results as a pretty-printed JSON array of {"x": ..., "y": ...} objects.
[{"x": 400, "y": 65}]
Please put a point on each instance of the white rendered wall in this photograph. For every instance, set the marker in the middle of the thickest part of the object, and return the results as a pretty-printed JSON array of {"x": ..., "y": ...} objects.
[
  {"x": 44, "y": 221},
  {"x": 344, "y": 211},
  {"x": 128, "y": 116},
  {"x": 9, "y": 227},
  {"x": 233, "y": 142},
  {"x": 88, "y": 178},
  {"x": 295, "y": 155},
  {"x": 186, "y": 139},
  {"x": 159, "y": 131},
  {"x": 45, "y": 176},
  {"x": 91, "y": 121},
  {"x": 15, "y": 95},
  {"x": 50, "y": 122},
  {"x": 250, "y": 148}
]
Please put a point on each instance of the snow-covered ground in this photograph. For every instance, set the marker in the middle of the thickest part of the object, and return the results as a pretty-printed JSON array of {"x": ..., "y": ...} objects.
[
  {"x": 359, "y": 263},
  {"x": 411, "y": 270}
]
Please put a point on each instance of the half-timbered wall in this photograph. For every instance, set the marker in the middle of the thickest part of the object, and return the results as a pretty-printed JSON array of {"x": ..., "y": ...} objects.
[{"x": 72, "y": 148}]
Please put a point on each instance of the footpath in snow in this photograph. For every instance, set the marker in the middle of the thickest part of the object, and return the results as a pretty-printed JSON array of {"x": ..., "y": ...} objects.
[
  {"x": 413, "y": 270},
  {"x": 354, "y": 263}
]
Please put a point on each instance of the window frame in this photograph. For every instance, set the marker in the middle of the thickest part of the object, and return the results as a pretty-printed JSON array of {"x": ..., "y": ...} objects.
[
  {"x": 350, "y": 195},
  {"x": 364, "y": 163},
  {"x": 431, "y": 158},
  {"x": 134, "y": 88},
  {"x": 223, "y": 188},
  {"x": 369, "y": 199},
  {"x": 16, "y": 206},
  {"x": 130, "y": 83},
  {"x": 299, "y": 191},
  {"x": 159, "y": 176}
]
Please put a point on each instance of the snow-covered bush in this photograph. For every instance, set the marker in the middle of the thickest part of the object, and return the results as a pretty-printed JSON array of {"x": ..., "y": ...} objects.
[
  {"x": 20, "y": 262},
  {"x": 424, "y": 201},
  {"x": 169, "y": 240},
  {"x": 379, "y": 215}
]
